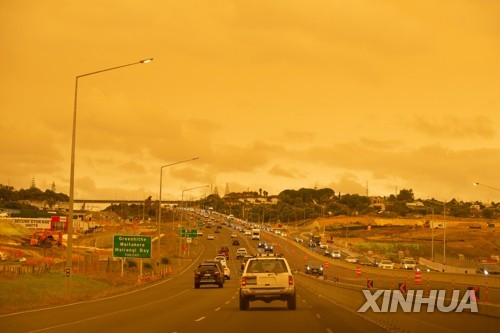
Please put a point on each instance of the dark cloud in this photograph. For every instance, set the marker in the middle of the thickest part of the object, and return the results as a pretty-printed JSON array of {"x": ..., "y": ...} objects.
[{"x": 455, "y": 127}]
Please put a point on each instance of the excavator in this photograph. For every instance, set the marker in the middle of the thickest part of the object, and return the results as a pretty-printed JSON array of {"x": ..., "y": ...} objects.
[{"x": 46, "y": 238}]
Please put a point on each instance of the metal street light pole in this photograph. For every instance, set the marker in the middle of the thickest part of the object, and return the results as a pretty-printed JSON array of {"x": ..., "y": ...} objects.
[
  {"x": 159, "y": 201},
  {"x": 182, "y": 198},
  {"x": 69, "y": 245},
  {"x": 432, "y": 235},
  {"x": 444, "y": 234},
  {"x": 182, "y": 214}
]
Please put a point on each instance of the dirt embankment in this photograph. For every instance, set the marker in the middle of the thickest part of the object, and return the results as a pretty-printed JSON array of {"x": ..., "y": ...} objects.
[{"x": 471, "y": 239}]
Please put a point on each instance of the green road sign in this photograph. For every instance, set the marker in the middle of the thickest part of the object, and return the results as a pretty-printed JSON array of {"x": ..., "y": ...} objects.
[
  {"x": 200, "y": 224},
  {"x": 193, "y": 233},
  {"x": 125, "y": 246}
]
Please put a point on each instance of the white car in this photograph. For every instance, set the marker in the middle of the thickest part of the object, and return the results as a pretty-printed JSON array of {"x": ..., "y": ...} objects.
[
  {"x": 227, "y": 271},
  {"x": 335, "y": 254},
  {"x": 221, "y": 258},
  {"x": 299, "y": 240},
  {"x": 408, "y": 263},
  {"x": 386, "y": 264},
  {"x": 241, "y": 253},
  {"x": 351, "y": 259},
  {"x": 211, "y": 237},
  {"x": 323, "y": 246}
]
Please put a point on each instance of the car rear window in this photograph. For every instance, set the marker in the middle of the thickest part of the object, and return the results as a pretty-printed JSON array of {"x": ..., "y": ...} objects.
[
  {"x": 207, "y": 269},
  {"x": 267, "y": 266}
]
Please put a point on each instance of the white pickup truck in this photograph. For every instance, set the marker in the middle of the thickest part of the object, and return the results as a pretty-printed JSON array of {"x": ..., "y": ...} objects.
[{"x": 267, "y": 279}]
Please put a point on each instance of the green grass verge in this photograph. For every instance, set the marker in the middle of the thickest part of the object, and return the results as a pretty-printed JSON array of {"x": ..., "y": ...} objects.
[{"x": 28, "y": 291}]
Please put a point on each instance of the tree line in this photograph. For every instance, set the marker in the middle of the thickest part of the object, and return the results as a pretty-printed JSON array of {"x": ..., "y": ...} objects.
[{"x": 291, "y": 206}]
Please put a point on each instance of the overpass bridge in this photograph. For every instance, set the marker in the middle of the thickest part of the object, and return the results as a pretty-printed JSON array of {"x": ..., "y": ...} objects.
[
  {"x": 127, "y": 201},
  {"x": 101, "y": 204}
]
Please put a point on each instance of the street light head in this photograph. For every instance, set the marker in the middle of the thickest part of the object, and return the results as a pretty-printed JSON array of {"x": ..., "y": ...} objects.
[
  {"x": 475, "y": 184},
  {"x": 145, "y": 61}
]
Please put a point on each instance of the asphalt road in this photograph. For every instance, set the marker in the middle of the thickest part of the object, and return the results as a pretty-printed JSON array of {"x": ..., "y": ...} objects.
[{"x": 173, "y": 305}]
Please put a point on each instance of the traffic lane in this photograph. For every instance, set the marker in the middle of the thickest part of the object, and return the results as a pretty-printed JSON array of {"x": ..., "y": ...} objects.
[
  {"x": 334, "y": 317},
  {"x": 298, "y": 256},
  {"x": 260, "y": 317},
  {"x": 352, "y": 299},
  {"x": 72, "y": 316},
  {"x": 392, "y": 279},
  {"x": 163, "y": 313},
  {"x": 313, "y": 314}
]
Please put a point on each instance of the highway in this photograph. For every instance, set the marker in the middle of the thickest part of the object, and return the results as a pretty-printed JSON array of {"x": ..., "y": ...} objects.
[{"x": 173, "y": 305}]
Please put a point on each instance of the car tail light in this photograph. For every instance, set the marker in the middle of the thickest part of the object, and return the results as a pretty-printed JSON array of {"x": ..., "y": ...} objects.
[
  {"x": 290, "y": 280},
  {"x": 243, "y": 281}
]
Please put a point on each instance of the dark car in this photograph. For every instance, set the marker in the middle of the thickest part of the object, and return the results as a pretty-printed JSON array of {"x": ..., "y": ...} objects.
[
  {"x": 209, "y": 272},
  {"x": 261, "y": 245},
  {"x": 224, "y": 250},
  {"x": 314, "y": 269},
  {"x": 269, "y": 248},
  {"x": 488, "y": 269},
  {"x": 236, "y": 242},
  {"x": 365, "y": 261},
  {"x": 422, "y": 268}
]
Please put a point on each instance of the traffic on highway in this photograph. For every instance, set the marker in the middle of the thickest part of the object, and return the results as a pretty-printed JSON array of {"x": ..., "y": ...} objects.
[{"x": 274, "y": 283}]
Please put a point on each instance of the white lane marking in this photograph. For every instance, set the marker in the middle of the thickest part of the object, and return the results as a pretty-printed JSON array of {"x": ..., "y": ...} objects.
[
  {"x": 217, "y": 309},
  {"x": 329, "y": 330},
  {"x": 227, "y": 302},
  {"x": 107, "y": 314},
  {"x": 318, "y": 316},
  {"x": 199, "y": 319}
]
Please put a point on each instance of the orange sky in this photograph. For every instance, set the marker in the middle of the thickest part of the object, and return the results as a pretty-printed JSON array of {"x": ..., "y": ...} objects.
[{"x": 268, "y": 94}]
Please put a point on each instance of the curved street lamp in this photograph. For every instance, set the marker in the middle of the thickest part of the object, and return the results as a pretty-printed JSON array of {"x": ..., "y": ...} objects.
[
  {"x": 182, "y": 197},
  {"x": 491, "y": 187},
  {"x": 182, "y": 214},
  {"x": 69, "y": 245},
  {"x": 159, "y": 200}
]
